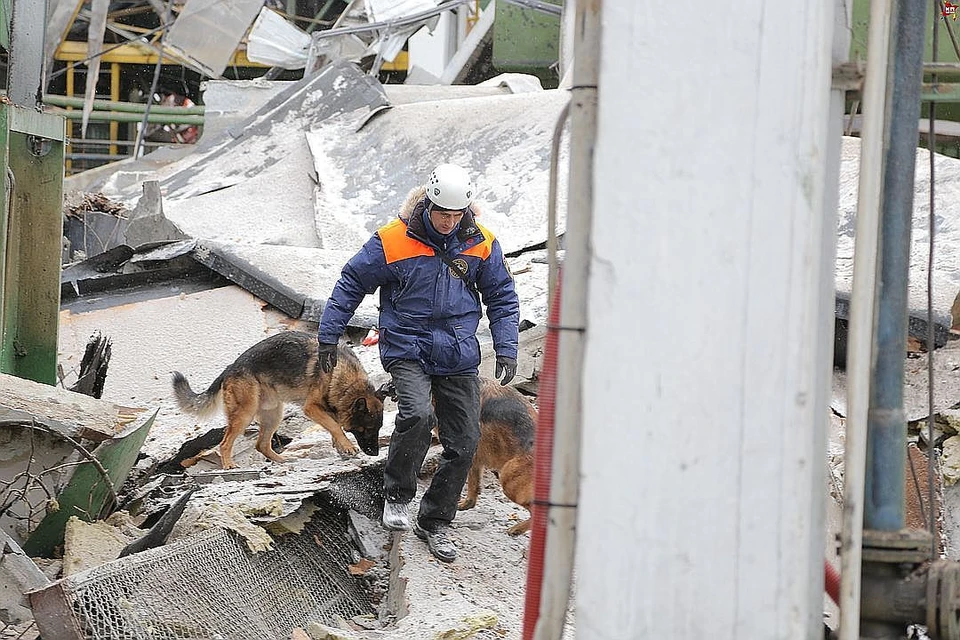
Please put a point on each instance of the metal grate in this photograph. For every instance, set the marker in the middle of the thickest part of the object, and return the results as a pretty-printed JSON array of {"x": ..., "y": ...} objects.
[{"x": 210, "y": 586}]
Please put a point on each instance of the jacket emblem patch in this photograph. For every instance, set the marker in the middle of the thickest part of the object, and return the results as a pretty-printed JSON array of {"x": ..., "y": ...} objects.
[{"x": 461, "y": 265}]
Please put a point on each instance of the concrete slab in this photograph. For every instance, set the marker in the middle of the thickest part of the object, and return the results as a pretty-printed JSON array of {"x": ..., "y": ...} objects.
[{"x": 946, "y": 273}]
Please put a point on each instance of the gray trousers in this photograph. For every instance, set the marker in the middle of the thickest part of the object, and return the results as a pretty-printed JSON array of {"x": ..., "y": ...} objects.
[{"x": 457, "y": 401}]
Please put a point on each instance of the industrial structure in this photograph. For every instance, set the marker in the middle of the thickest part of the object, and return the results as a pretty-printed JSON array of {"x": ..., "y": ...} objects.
[{"x": 685, "y": 224}]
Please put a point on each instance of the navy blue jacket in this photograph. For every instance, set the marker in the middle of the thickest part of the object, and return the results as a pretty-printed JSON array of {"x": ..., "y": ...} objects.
[{"x": 427, "y": 312}]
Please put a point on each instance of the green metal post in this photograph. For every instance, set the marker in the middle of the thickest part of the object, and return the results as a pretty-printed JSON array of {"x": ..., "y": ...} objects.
[{"x": 31, "y": 229}]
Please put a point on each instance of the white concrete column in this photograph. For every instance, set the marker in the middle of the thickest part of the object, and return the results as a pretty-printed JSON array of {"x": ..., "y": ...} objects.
[{"x": 707, "y": 369}]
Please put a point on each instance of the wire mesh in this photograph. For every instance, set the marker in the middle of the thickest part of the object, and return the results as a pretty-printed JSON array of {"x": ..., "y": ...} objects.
[
  {"x": 20, "y": 631},
  {"x": 209, "y": 586}
]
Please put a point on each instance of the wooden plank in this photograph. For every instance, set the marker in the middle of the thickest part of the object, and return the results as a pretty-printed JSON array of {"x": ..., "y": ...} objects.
[
  {"x": 87, "y": 495},
  {"x": 71, "y": 414},
  {"x": 54, "y": 614}
]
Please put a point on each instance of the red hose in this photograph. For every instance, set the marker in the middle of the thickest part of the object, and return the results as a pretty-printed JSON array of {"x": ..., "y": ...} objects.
[
  {"x": 543, "y": 458},
  {"x": 831, "y": 581}
]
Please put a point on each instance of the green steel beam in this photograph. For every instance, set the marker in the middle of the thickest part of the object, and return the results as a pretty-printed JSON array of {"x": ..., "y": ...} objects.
[
  {"x": 6, "y": 8},
  {"x": 31, "y": 228},
  {"x": 87, "y": 494}
]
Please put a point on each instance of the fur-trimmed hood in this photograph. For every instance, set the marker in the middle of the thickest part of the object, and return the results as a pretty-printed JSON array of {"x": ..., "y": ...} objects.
[
  {"x": 414, "y": 205},
  {"x": 417, "y": 196}
]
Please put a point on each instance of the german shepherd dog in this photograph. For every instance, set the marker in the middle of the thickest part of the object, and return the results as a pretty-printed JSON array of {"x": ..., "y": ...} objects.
[
  {"x": 507, "y": 423},
  {"x": 283, "y": 368}
]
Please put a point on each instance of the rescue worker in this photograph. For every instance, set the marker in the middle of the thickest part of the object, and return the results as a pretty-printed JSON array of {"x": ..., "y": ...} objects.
[{"x": 433, "y": 264}]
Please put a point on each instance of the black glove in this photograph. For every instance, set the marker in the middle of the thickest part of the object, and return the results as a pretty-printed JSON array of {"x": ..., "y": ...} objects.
[
  {"x": 508, "y": 367},
  {"x": 326, "y": 356}
]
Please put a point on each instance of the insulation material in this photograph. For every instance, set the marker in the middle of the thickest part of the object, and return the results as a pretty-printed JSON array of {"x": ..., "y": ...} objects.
[
  {"x": 276, "y": 42},
  {"x": 207, "y": 32}
]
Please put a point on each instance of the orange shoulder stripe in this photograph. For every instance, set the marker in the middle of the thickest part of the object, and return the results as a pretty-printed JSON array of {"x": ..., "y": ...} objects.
[
  {"x": 483, "y": 249},
  {"x": 397, "y": 245}
]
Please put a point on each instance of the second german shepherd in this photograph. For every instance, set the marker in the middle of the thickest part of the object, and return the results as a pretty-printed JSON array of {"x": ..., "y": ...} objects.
[
  {"x": 507, "y": 424},
  {"x": 283, "y": 368}
]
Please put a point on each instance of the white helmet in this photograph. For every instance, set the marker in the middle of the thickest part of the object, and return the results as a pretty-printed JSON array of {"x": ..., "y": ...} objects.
[{"x": 450, "y": 187}]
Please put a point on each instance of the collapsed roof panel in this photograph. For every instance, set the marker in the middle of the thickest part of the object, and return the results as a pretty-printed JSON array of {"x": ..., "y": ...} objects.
[
  {"x": 263, "y": 138},
  {"x": 254, "y": 184},
  {"x": 302, "y": 276},
  {"x": 366, "y": 168}
]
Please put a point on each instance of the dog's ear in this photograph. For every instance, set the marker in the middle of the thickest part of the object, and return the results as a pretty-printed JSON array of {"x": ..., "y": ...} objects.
[
  {"x": 387, "y": 390},
  {"x": 360, "y": 404}
]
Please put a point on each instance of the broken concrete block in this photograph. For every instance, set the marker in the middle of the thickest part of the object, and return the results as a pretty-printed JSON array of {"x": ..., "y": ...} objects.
[
  {"x": 318, "y": 631},
  {"x": 91, "y": 544},
  {"x": 366, "y": 533},
  {"x": 950, "y": 460},
  {"x": 950, "y": 421},
  {"x": 18, "y": 574},
  {"x": 529, "y": 356},
  {"x": 469, "y": 626}
]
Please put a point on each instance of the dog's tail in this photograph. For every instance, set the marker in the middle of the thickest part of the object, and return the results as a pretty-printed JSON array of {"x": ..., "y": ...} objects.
[{"x": 200, "y": 404}]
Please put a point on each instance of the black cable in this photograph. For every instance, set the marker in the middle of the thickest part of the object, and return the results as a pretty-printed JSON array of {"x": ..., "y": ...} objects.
[{"x": 931, "y": 344}]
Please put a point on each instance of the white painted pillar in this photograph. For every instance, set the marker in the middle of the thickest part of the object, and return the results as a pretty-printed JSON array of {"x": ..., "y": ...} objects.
[{"x": 707, "y": 368}]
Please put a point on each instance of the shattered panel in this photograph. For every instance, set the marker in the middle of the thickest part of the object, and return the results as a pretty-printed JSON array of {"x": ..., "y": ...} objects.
[
  {"x": 266, "y": 137},
  {"x": 274, "y": 41},
  {"x": 208, "y": 31}
]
